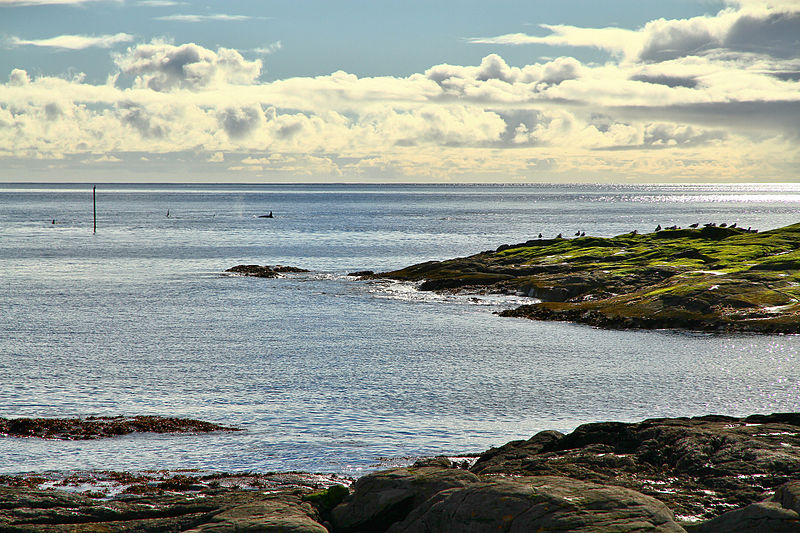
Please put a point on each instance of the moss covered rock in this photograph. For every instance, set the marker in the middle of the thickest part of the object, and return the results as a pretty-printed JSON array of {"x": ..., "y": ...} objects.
[{"x": 718, "y": 279}]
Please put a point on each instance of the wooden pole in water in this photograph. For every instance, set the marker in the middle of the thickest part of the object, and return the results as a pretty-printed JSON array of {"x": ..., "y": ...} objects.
[{"x": 94, "y": 207}]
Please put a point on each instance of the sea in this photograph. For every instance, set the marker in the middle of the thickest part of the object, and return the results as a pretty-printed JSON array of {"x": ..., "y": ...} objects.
[{"x": 322, "y": 371}]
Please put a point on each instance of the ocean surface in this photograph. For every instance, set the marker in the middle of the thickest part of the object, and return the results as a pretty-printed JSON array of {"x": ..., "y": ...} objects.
[{"x": 326, "y": 373}]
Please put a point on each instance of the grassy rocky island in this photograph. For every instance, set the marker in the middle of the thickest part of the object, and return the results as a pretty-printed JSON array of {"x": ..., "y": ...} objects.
[{"x": 708, "y": 278}]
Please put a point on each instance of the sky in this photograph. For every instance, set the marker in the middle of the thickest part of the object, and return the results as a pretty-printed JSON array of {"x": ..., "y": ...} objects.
[{"x": 400, "y": 91}]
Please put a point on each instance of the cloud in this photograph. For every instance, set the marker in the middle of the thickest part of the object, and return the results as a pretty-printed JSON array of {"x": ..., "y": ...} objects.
[
  {"x": 13, "y": 3},
  {"x": 239, "y": 122},
  {"x": 160, "y": 3},
  {"x": 269, "y": 49},
  {"x": 75, "y": 42},
  {"x": 756, "y": 27},
  {"x": 18, "y": 78},
  {"x": 219, "y": 17},
  {"x": 716, "y": 115},
  {"x": 611, "y": 39},
  {"x": 164, "y": 67}
]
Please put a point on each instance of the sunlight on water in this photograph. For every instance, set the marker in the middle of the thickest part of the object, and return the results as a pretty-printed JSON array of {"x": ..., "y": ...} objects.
[{"x": 326, "y": 372}]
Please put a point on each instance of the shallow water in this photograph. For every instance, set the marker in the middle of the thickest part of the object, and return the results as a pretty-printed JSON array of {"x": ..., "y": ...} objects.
[{"x": 328, "y": 373}]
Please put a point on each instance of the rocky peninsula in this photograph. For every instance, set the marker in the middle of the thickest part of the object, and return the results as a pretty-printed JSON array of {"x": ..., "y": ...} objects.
[
  {"x": 709, "y": 278},
  {"x": 710, "y": 474}
]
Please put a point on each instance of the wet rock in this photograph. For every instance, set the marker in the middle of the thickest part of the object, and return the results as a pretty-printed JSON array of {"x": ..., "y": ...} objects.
[
  {"x": 214, "y": 508},
  {"x": 256, "y": 271},
  {"x": 383, "y": 498},
  {"x": 699, "y": 467},
  {"x": 283, "y": 513},
  {"x": 286, "y": 268},
  {"x": 779, "y": 514},
  {"x": 361, "y": 273},
  {"x": 263, "y": 271},
  {"x": 95, "y": 427},
  {"x": 539, "y": 504}
]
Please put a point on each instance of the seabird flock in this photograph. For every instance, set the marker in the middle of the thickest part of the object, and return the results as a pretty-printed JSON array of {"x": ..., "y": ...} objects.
[{"x": 659, "y": 228}]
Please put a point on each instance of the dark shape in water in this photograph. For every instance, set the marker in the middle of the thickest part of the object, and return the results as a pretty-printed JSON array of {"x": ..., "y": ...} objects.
[
  {"x": 102, "y": 426},
  {"x": 263, "y": 271}
]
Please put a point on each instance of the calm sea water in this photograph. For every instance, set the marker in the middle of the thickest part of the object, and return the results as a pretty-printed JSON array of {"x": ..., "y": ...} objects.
[{"x": 324, "y": 372}]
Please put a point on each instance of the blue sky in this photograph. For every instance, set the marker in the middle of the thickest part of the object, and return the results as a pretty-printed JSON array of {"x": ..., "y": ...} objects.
[{"x": 313, "y": 90}]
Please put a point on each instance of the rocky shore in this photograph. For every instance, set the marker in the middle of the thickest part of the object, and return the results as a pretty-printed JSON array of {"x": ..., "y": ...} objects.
[
  {"x": 710, "y": 278},
  {"x": 711, "y": 474}
]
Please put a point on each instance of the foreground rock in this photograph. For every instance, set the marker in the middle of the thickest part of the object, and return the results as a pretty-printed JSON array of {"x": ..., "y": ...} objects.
[
  {"x": 699, "y": 467},
  {"x": 712, "y": 474},
  {"x": 263, "y": 271},
  {"x": 779, "y": 514},
  {"x": 98, "y": 427},
  {"x": 195, "y": 508},
  {"x": 435, "y": 499},
  {"x": 711, "y": 278}
]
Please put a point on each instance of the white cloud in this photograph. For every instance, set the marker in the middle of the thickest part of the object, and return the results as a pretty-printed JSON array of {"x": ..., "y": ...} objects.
[
  {"x": 163, "y": 67},
  {"x": 47, "y": 2},
  {"x": 219, "y": 17},
  {"x": 713, "y": 115},
  {"x": 160, "y": 3},
  {"x": 769, "y": 28},
  {"x": 611, "y": 39},
  {"x": 18, "y": 78},
  {"x": 269, "y": 49},
  {"x": 75, "y": 42}
]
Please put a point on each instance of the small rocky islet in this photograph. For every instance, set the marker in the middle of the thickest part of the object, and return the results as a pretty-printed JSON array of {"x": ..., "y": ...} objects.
[
  {"x": 709, "y": 278},
  {"x": 710, "y": 474},
  {"x": 98, "y": 427},
  {"x": 263, "y": 271}
]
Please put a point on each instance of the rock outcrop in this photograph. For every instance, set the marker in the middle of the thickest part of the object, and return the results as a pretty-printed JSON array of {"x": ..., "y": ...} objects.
[
  {"x": 710, "y": 278},
  {"x": 539, "y": 504},
  {"x": 98, "y": 427},
  {"x": 700, "y": 467},
  {"x": 263, "y": 271},
  {"x": 31, "y": 510},
  {"x": 711, "y": 474}
]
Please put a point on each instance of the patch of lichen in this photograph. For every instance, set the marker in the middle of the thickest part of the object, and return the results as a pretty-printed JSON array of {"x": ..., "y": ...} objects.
[{"x": 707, "y": 278}]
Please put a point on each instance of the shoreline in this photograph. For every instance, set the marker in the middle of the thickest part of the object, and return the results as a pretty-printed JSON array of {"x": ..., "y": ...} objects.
[
  {"x": 702, "y": 474},
  {"x": 719, "y": 279}
]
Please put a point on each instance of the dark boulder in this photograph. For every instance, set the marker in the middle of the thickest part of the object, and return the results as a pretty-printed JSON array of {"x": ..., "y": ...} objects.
[
  {"x": 539, "y": 504},
  {"x": 383, "y": 498}
]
